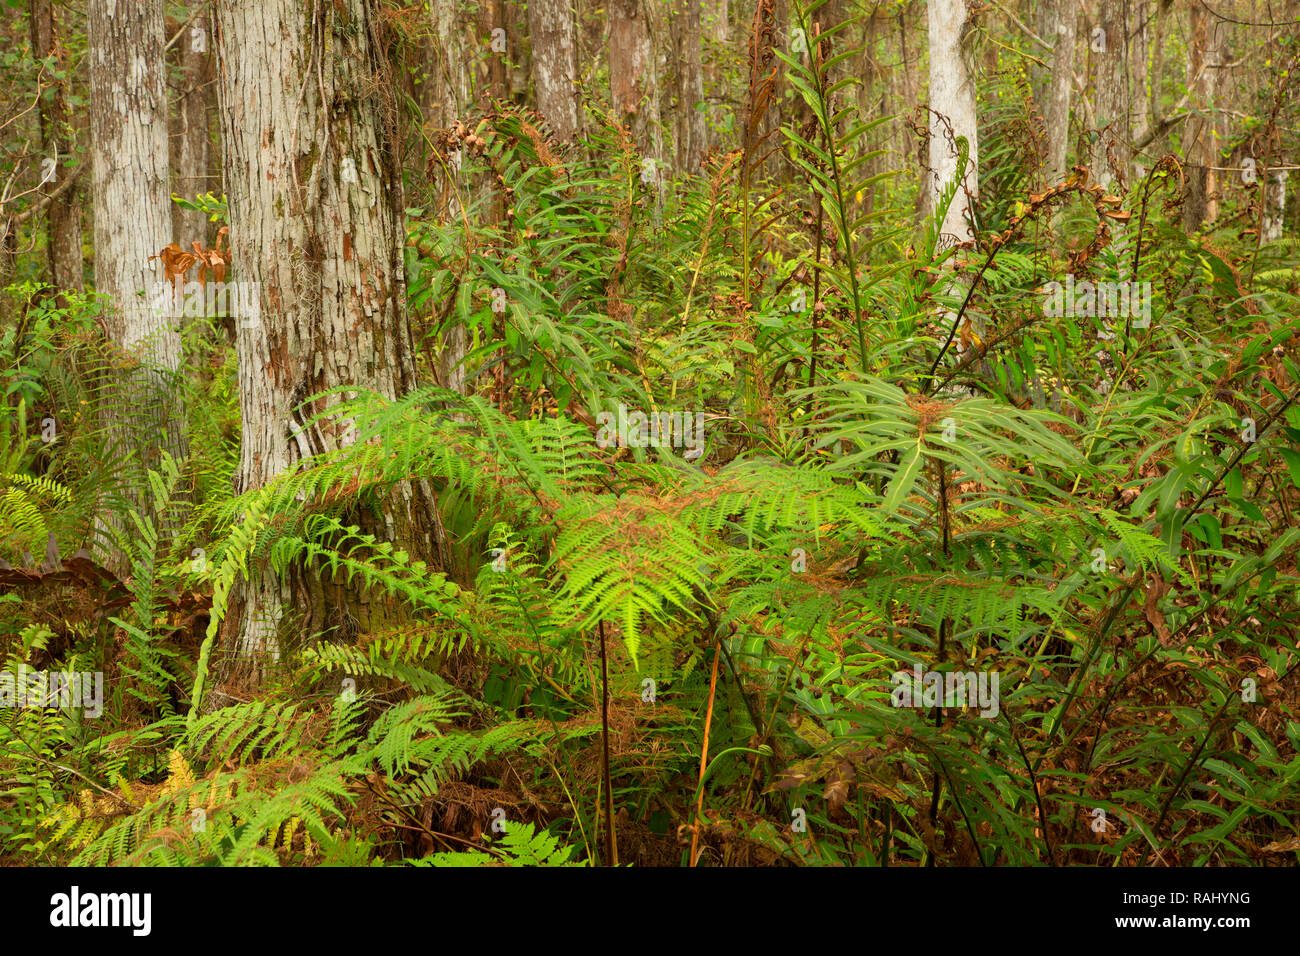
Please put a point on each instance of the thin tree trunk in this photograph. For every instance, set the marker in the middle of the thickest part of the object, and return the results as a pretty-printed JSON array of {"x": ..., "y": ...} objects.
[
  {"x": 952, "y": 97},
  {"x": 451, "y": 65},
  {"x": 1111, "y": 158},
  {"x": 128, "y": 120},
  {"x": 952, "y": 104},
  {"x": 503, "y": 46},
  {"x": 873, "y": 92},
  {"x": 908, "y": 145},
  {"x": 555, "y": 64},
  {"x": 692, "y": 136},
  {"x": 717, "y": 34},
  {"x": 1058, "y": 87},
  {"x": 317, "y": 226},
  {"x": 1139, "y": 15},
  {"x": 63, "y": 215},
  {"x": 1274, "y": 206},
  {"x": 775, "y": 115},
  {"x": 194, "y": 130},
  {"x": 1200, "y": 137},
  {"x": 452, "y": 91}
]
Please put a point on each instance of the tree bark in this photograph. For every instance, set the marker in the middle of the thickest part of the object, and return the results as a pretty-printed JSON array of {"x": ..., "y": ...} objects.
[
  {"x": 1115, "y": 42},
  {"x": 952, "y": 97},
  {"x": 555, "y": 64},
  {"x": 874, "y": 78},
  {"x": 1139, "y": 16},
  {"x": 952, "y": 115},
  {"x": 128, "y": 120},
  {"x": 455, "y": 60},
  {"x": 692, "y": 133},
  {"x": 128, "y": 105},
  {"x": 909, "y": 145},
  {"x": 502, "y": 47},
  {"x": 63, "y": 215},
  {"x": 629, "y": 67},
  {"x": 317, "y": 227},
  {"x": 632, "y": 75},
  {"x": 1056, "y": 113},
  {"x": 717, "y": 34},
  {"x": 1274, "y": 199},
  {"x": 1200, "y": 136},
  {"x": 193, "y": 138},
  {"x": 457, "y": 72}
]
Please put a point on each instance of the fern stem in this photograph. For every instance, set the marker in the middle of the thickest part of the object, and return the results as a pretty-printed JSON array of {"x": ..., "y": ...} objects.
[
  {"x": 704, "y": 756},
  {"x": 611, "y": 839},
  {"x": 817, "y": 70}
]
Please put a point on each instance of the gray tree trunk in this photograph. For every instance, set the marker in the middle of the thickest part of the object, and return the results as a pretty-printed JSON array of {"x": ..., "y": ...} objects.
[
  {"x": 1118, "y": 51},
  {"x": 952, "y": 104},
  {"x": 1274, "y": 206},
  {"x": 128, "y": 107},
  {"x": 63, "y": 214},
  {"x": 952, "y": 96},
  {"x": 692, "y": 132},
  {"x": 1056, "y": 112},
  {"x": 317, "y": 225},
  {"x": 1200, "y": 136},
  {"x": 128, "y": 122},
  {"x": 555, "y": 64},
  {"x": 193, "y": 143}
]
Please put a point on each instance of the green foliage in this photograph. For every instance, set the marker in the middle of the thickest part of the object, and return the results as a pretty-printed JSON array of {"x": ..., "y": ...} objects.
[
  {"x": 521, "y": 846},
  {"x": 1097, "y": 512}
]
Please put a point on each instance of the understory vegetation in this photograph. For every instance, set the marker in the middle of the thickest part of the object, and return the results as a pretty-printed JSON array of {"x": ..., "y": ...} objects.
[{"x": 633, "y": 649}]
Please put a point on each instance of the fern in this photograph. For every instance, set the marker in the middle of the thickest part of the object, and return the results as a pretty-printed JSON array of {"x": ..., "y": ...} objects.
[{"x": 522, "y": 845}]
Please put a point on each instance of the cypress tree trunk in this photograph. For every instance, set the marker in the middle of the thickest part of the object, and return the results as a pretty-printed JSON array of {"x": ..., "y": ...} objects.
[
  {"x": 140, "y": 411},
  {"x": 555, "y": 64},
  {"x": 63, "y": 215},
  {"x": 692, "y": 132},
  {"x": 952, "y": 96},
  {"x": 317, "y": 224},
  {"x": 1056, "y": 113},
  {"x": 1112, "y": 156},
  {"x": 1200, "y": 137},
  {"x": 193, "y": 140}
]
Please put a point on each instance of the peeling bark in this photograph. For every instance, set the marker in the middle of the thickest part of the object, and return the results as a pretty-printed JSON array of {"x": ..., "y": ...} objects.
[
  {"x": 128, "y": 120},
  {"x": 555, "y": 64},
  {"x": 1200, "y": 136},
  {"x": 692, "y": 131},
  {"x": 1056, "y": 112},
  {"x": 193, "y": 134},
  {"x": 317, "y": 224}
]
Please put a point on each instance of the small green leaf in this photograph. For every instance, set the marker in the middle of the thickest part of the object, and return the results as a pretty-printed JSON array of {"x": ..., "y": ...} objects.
[
  {"x": 903, "y": 479},
  {"x": 1292, "y": 464},
  {"x": 1208, "y": 530},
  {"x": 1233, "y": 483}
]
